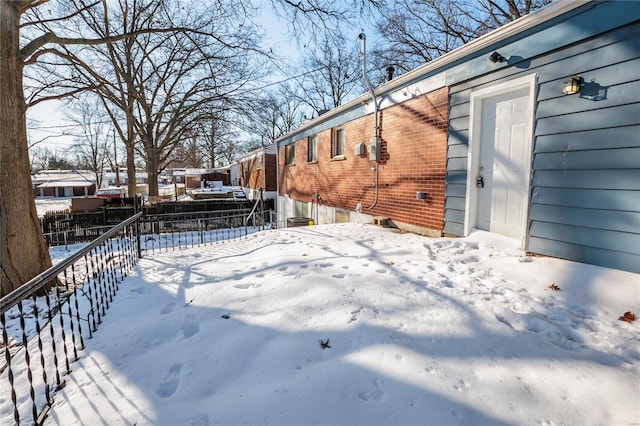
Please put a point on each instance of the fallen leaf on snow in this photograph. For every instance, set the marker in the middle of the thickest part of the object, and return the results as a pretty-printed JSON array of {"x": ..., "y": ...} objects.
[
  {"x": 324, "y": 344},
  {"x": 628, "y": 317}
]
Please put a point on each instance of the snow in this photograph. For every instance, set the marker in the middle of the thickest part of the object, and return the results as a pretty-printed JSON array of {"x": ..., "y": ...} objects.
[
  {"x": 48, "y": 204},
  {"x": 416, "y": 331}
]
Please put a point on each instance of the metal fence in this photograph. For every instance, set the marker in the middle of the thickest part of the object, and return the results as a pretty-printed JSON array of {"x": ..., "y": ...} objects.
[{"x": 45, "y": 322}]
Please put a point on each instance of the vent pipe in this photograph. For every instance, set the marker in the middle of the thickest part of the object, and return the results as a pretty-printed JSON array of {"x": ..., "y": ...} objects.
[
  {"x": 390, "y": 71},
  {"x": 374, "y": 145},
  {"x": 363, "y": 56}
]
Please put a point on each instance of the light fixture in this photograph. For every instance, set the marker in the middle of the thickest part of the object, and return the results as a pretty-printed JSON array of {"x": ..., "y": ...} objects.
[
  {"x": 571, "y": 85},
  {"x": 496, "y": 57}
]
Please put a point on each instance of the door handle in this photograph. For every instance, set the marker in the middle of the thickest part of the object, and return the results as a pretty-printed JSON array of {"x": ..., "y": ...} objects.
[{"x": 480, "y": 182}]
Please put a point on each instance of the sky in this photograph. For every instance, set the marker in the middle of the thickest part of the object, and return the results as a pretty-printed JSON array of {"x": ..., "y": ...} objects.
[{"x": 352, "y": 324}]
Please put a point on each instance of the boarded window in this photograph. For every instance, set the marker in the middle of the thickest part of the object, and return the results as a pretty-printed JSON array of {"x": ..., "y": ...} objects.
[
  {"x": 312, "y": 149},
  {"x": 290, "y": 155},
  {"x": 337, "y": 145}
]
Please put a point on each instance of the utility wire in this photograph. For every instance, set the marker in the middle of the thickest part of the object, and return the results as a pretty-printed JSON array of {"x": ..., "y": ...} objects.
[{"x": 41, "y": 128}]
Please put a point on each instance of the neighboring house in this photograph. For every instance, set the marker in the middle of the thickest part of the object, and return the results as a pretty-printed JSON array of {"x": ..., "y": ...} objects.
[
  {"x": 257, "y": 171},
  {"x": 110, "y": 178},
  {"x": 63, "y": 183},
  {"x": 493, "y": 136},
  {"x": 196, "y": 178}
]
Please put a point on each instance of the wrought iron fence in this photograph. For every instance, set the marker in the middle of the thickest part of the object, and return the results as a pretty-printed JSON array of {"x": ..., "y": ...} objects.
[
  {"x": 42, "y": 335},
  {"x": 45, "y": 322}
]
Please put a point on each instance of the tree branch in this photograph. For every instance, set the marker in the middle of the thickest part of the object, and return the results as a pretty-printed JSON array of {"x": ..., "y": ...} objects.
[
  {"x": 50, "y": 37},
  {"x": 61, "y": 18}
]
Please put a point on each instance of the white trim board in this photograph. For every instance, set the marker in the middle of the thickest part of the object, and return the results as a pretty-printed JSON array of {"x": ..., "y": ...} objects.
[{"x": 475, "y": 114}]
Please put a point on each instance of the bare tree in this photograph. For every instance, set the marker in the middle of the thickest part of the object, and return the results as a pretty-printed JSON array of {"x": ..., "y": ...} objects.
[
  {"x": 216, "y": 138},
  {"x": 274, "y": 115},
  {"x": 94, "y": 141},
  {"x": 32, "y": 33},
  {"x": 44, "y": 157},
  {"x": 414, "y": 32},
  {"x": 331, "y": 73},
  {"x": 310, "y": 18},
  {"x": 158, "y": 85}
]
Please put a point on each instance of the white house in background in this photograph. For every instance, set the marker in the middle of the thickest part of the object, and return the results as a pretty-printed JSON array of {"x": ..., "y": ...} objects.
[
  {"x": 63, "y": 183},
  {"x": 109, "y": 177}
]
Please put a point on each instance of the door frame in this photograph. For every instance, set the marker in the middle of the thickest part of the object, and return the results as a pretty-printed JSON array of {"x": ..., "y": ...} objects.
[{"x": 475, "y": 131}]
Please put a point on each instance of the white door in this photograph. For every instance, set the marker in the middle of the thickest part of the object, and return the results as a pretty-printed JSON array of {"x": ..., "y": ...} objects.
[{"x": 503, "y": 163}]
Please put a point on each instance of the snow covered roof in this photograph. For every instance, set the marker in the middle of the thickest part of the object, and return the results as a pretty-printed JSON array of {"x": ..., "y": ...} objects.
[
  {"x": 65, "y": 183},
  {"x": 63, "y": 176}
]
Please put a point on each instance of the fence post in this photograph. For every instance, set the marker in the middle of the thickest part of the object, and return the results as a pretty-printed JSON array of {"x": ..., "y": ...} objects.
[{"x": 137, "y": 227}]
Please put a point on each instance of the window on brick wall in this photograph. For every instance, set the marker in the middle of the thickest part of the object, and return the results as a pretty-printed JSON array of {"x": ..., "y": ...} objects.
[
  {"x": 301, "y": 208},
  {"x": 259, "y": 162},
  {"x": 337, "y": 143},
  {"x": 290, "y": 155},
  {"x": 312, "y": 148}
]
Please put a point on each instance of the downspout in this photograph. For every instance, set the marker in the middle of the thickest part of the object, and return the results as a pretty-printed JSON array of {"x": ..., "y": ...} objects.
[{"x": 363, "y": 56}]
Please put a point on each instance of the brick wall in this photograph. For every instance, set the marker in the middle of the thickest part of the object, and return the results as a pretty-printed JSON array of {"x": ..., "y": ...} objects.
[
  {"x": 270, "y": 168},
  {"x": 414, "y": 143}
]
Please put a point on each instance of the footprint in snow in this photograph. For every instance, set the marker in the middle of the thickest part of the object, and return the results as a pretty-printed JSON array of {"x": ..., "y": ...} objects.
[
  {"x": 170, "y": 382},
  {"x": 168, "y": 308},
  {"x": 190, "y": 326},
  {"x": 377, "y": 395},
  {"x": 461, "y": 385},
  {"x": 247, "y": 286},
  {"x": 201, "y": 420}
]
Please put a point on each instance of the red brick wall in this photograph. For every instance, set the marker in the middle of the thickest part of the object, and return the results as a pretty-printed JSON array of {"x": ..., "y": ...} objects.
[
  {"x": 270, "y": 168},
  {"x": 414, "y": 144},
  {"x": 263, "y": 177}
]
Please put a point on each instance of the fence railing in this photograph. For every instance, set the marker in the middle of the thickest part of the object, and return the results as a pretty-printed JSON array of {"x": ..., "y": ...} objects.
[
  {"x": 42, "y": 335},
  {"x": 45, "y": 321},
  {"x": 173, "y": 231}
]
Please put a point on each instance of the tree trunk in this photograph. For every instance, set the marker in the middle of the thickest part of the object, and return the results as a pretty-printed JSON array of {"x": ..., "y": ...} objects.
[
  {"x": 152, "y": 164},
  {"x": 23, "y": 251},
  {"x": 131, "y": 171}
]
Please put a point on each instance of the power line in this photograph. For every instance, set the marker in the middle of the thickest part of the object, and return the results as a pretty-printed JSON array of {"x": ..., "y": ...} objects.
[{"x": 42, "y": 128}]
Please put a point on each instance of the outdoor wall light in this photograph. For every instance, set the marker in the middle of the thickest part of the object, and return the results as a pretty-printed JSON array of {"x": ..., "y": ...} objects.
[
  {"x": 571, "y": 85},
  {"x": 496, "y": 57}
]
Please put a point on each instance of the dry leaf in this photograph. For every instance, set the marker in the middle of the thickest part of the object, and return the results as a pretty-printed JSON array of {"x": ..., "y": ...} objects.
[
  {"x": 628, "y": 317},
  {"x": 391, "y": 263},
  {"x": 324, "y": 344},
  {"x": 554, "y": 287}
]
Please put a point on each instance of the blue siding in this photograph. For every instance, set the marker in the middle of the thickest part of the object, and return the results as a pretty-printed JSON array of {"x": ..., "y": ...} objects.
[
  {"x": 611, "y": 199},
  {"x": 619, "y": 158},
  {"x": 585, "y": 186},
  {"x": 586, "y": 254},
  {"x": 614, "y": 137}
]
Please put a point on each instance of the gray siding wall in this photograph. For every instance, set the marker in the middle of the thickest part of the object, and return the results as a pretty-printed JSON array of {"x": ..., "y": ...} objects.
[{"x": 585, "y": 189}]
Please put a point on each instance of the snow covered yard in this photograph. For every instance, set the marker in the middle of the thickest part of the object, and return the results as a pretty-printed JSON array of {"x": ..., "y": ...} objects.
[
  {"x": 358, "y": 325},
  {"x": 48, "y": 204}
]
